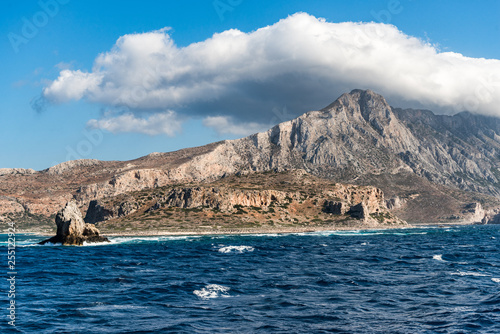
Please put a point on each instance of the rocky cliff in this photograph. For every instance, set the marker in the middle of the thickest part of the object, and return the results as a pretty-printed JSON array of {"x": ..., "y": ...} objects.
[{"x": 452, "y": 160}]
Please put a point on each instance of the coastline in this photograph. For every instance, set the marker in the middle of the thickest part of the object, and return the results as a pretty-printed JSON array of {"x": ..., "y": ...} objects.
[
  {"x": 237, "y": 231},
  {"x": 258, "y": 231},
  {"x": 255, "y": 231}
]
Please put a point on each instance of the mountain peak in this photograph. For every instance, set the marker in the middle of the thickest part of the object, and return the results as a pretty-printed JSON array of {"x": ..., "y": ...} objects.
[
  {"x": 358, "y": 91},
  {"x": 367, "y": 100}
]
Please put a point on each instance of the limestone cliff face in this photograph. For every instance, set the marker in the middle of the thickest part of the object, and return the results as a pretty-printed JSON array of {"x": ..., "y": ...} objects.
[
  {"x": 132, "y": 180},
  {"x": 222, "y": 198},
  {"x": 353, "y": 135},
  {"x": 351, "y": 140}
]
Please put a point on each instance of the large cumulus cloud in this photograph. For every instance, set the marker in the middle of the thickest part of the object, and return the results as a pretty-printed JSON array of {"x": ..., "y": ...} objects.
[{"x": 301, "y": 63}]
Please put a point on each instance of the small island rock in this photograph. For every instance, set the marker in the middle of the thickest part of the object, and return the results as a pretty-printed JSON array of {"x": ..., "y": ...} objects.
[{"x": 72, "y": 230}]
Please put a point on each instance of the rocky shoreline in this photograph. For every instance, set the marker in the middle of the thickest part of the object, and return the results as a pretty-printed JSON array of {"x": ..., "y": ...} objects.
[
  {"x": 257, "y": 231},
  {"x": 243, "y": 231}
]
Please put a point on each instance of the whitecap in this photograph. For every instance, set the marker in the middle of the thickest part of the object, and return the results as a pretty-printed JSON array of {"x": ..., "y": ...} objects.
[
  {"x": 468, "y": 273},
  {"x": 236, "y": 249},
  {"x": 212, "y": 291},
  {"x": 96, "y": 243},
  {"x": 496, "y": 280},
  {"x": 408, "y": 233},
  {"x": 267, "y": 235},
  {"x": 124, "y": 240},
  {"x": 26, "y": 243},
  {"x": 139, "y": 239},
  {"x": 438, "y": 257}
]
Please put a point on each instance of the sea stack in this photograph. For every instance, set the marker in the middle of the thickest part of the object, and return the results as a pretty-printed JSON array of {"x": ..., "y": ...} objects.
[{"x": 72, "y": 230}]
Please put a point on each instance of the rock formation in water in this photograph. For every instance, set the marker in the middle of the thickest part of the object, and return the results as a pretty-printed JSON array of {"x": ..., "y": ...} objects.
[{"x": 72, "y": 230}]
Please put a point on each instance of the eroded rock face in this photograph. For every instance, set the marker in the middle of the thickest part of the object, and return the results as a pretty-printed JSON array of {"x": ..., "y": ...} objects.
[
  {"x": 474, "y": 212},
  {"x": 492, "y": 217},
  {"x": 335, "y": 208},
  {"x": 359, "y": 211},
  {"x": 69, "y": 221},
  {"x": 225, "y": 199},
  {"x": 394, "y": 203},
  {"x": 72, "y": 230},
  {"x": 98, "y": 211}
]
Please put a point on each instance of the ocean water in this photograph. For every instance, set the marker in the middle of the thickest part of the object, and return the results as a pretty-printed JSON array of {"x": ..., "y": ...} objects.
[{"x": 426, "y": 280}]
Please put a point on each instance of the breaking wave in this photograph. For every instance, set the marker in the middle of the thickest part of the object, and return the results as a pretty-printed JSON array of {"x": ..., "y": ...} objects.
[
  {"x": 212, "y": 291},
  {"x": 236, "y": 249}
]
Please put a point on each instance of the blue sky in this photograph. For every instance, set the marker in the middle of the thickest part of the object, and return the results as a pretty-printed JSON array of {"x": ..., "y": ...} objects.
[{"x": 71, "y": 34}]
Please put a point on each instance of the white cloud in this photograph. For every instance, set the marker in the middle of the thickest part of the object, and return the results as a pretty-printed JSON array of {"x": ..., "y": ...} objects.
[
  {"x": 160, "y": 123},
  {"x": 73, "y": 85},
  {"x": 225, "y": 125},
  {"x": 301, "y": 62}
]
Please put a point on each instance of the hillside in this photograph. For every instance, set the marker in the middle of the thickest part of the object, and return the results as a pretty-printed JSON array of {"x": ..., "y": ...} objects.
[
  {"x": 268, "y": 200},
  {"x": 433, "y": 166}
]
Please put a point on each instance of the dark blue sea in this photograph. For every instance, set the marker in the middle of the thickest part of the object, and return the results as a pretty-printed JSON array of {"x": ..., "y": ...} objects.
[{"x": 426, "y": 280}]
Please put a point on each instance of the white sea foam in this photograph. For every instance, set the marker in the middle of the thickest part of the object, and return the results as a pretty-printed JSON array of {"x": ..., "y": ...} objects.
[
  {"x": 121, "y": 240},
  {"x": 236, "y": 249},
  {"x": 138, "y": 239},
  {"x": 212, "y": 291},
  {"x": 408, "y": 233},
  {"x": 496, "y": 280},
  {"x": 469, "y": 273},
  {"x": 27, "y": 242},
  {"x": 438, "y": 257},
  {"x": 95, "y": 243},
  {"x": 266, "y": 235},
  {"x": 349, "y": 233},
  {"x": 48, "y": 244}
]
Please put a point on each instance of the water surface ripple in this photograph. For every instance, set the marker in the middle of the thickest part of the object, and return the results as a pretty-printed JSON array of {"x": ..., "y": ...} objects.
[{"x": 428, "y": 280}]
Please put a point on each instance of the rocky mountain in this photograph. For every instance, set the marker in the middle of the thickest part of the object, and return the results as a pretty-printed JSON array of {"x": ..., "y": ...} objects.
[{"x": 431, "y": 166}]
